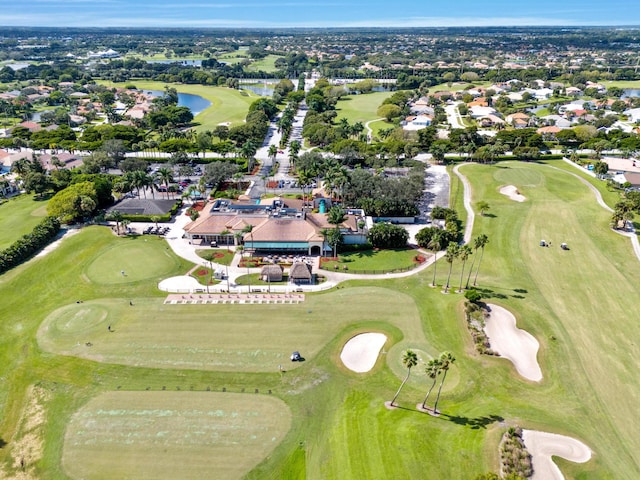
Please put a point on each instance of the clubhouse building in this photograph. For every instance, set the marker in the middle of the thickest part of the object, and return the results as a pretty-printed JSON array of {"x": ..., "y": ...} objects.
[{"x": 277, "y": 225}]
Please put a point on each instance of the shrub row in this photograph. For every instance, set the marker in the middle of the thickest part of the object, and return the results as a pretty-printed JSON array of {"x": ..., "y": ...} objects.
[
  {"x": 25, "y": 247},
  {"x": 474, "y": 314},
  {"x": 514, "y": 457}
]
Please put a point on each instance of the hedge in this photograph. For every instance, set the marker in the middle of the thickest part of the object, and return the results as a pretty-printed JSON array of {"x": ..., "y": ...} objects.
[{"x": 23, "y": 248}]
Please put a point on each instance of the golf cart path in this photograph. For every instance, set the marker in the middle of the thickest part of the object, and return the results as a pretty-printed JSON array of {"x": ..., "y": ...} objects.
[
  {"x": 471, "y": 216},
  {"x": 368, "y": 128},
  {"x": 632, "y": 234}
]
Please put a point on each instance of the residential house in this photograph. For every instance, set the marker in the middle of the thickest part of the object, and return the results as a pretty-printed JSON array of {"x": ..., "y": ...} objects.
[{"x": 518, "y": 120}]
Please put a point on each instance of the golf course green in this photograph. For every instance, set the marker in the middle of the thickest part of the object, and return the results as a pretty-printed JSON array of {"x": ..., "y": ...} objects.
[{"x": 163, "y": 362}]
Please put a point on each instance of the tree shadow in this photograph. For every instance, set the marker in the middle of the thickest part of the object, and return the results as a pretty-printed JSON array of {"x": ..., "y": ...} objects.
[
  {"x": 489, "y": 215},
  {"x": 3, "y": 443},
  {"x": 474, "y": 423},
  {"x": 488, "y": 293},
  {"x": 520, "y": 290},
  {"x": 517, "y": 296}
]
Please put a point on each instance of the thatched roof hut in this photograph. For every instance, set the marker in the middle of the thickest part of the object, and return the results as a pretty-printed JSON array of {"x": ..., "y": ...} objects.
[
  {"x": 300, "y": 273},
  {"x": 271, "y": 273}
]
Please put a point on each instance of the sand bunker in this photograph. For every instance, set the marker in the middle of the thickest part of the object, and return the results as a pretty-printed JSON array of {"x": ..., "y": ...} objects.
[
  {"x": 542, "y": 446},
  {"x": 513, "y": 343},
  {"x": 361, "y": 352},
  {"x": 512, "y": 192}
]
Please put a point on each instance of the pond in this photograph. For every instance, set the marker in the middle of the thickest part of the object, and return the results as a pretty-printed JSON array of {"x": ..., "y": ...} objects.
[
  {"x": 631, "y": 92},
  {"x": 195, "y": 103},
  {"x": 191, "y": 63}
]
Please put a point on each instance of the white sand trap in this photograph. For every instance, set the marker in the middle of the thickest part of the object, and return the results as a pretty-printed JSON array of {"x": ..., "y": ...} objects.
[
  {"x": 542, "y": 446},
  {"x": 361, "y": 352},
  {"x": 512, "y": 192},
  {"x": 53, "y": 245},
  {"x": 512, "y": 343},
  {"x": 181, "y": 283}
]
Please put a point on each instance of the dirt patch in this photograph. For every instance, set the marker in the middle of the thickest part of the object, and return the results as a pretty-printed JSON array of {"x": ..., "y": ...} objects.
[{"x": 27, "y": 444}]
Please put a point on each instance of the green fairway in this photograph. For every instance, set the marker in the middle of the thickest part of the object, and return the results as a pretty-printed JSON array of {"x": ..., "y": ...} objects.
[
  {"x": 18, "y": 216},
  {"x": 131, "y": 256},
  {"x": 218, "y": 337},
  {"x": 579, "y": 302},
  {"x": 360, "y": 108},
  {"x": 168, "y": 435},
  {"x": 227, "y": 105}
]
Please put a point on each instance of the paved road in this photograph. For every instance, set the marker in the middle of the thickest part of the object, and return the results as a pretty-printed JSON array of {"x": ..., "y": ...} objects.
[{"x": 453, "y": 116}]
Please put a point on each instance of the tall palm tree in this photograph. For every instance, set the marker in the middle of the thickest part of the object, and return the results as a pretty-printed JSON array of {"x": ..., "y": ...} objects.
[
  {"x": 480, "y": 243},
  {"x": 432, "y": 370},
  {"x": 450, "y": 255},
  {"x": 249, "y": 229},
  {"x": 116, "y": 216},
  {"x": 410, "y": 360},
  {"x": 446, "y": 360},
  {"x": 272, "y": 152},
  {"x": 464, "y": 253},
  {"x": 435, "y": 245},
  {"x": 166, "y": 177}
]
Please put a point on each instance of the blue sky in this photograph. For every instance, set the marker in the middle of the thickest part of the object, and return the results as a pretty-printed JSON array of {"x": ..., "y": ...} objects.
[{"x": 317, "y": 13}]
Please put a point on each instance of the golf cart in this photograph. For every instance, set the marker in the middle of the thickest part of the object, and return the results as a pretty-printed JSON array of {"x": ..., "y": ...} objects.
[{"x": 296, "y": 357}]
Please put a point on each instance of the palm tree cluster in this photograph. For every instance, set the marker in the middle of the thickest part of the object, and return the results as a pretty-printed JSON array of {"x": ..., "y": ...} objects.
[
  {"x": 434, "y": 368},
  {"x": 453, "y": 252}
]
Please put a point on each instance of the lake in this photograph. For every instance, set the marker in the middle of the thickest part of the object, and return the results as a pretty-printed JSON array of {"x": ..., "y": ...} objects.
[
  {"x": 631, "y": 92},
  {"x": 193, "y": 63},
  {"x": 195, "y": 103}
]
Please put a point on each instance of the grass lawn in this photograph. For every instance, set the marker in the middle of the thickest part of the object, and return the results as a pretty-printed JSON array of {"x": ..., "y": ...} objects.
[
  {"x": 580, "y": 305},
  {"x": 221, "y": 256},
  {"x": 227, "y": 105},
  {"x": 167, "y": 435},
  {"x": 457, "y": 86},
  {"x": 374, "y": 260},
  {"x": 622, "y": 83},
  {"x": 18, "y": 216},
  {"x": 379, "y": 125},
  {"x": 360, "y": 108}
]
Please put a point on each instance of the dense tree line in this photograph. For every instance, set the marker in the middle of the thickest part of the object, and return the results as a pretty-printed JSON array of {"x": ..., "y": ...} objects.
[{"x": 29, "y": 244}]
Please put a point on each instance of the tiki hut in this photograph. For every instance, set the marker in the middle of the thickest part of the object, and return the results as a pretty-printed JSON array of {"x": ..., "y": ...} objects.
[
  {"x": 300, "y": 273},
  {"x": 271, "y": 273}
]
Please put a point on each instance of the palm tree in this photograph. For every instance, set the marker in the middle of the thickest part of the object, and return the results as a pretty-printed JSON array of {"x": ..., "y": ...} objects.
[
  {"x": 166, "y": 176},
  {"x": 304, "y": 179},
  {"x": 482, "y": 206},
  {"x": 272, "y": 152},
  {"x": 450, "y": 255},
  {"x": 435, "y": 245},
  {"x": 464, "y": 253},
  {"x": 410, "y": 360},
  {"x": 116, "y": 216},
  {"x": 480, "y": 243},
  {"x": 249, "y": 229},
  {"x": 155, "y": 219},
  {"x": 432, "y": 370},
  {"x": 446, "y": 359}
]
